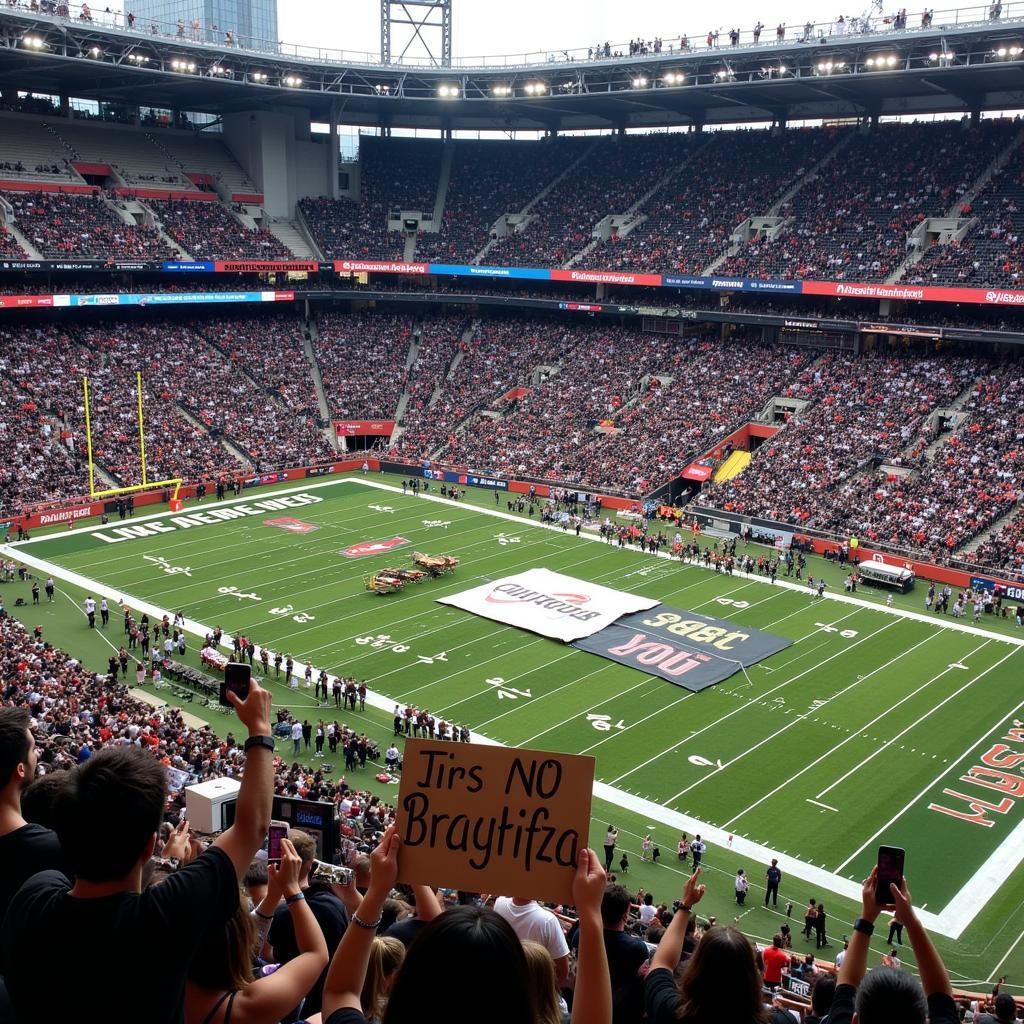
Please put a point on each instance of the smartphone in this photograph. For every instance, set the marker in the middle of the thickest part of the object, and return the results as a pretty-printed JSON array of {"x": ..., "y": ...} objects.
[
  {"x": 335, "y": 873},
  {"x": 236, "y": 680},
  {"x": 278, "y": 830},
  {"x": 890, "y": 870}
]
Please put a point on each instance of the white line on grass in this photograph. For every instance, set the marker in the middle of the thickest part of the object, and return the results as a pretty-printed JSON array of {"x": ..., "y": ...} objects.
[
  {"x": 828, "y": 807},
  {"x": 855, "y": 733},
  {"x": 1006, "y": 955}
]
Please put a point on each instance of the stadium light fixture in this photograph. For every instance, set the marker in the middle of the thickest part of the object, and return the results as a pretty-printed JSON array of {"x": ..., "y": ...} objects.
[
  {"x": 258, "y": 76},
  {"x": 291, "y": 81},
  {"x": 501, "y": 90},
  {"x": 33, "y": 42},
  {"x": 186, "y": 67},
  {"x": 1009, "y": 52},
  {"x": 448, "y": 92},
  {"x": 138, "y": 58},
  {"x": 535, "y": 88},
  {"x": 219, "y": 71},
  {"x": 381, "y": 89},
  {"x": 674, "y": 78},
  {"x": 640, "y": 82}
]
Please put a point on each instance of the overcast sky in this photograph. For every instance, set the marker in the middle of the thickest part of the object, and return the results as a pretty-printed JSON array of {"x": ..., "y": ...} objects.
[{"x": 484, "y": 27}]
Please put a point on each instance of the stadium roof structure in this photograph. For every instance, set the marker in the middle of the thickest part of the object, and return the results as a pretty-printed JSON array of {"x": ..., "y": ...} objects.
[{"x": 955, "y": 65}]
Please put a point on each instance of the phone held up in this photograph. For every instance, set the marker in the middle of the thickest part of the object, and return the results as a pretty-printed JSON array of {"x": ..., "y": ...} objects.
[
  {"x": 278, "y": 830},
  {"x": 890, "y": 871},
  {"x": 237, "y": 676}
]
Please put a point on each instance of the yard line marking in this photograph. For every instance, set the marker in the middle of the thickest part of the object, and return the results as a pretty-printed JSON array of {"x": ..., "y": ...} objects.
[
  {"x": 799, "y": 718},
  {"x": 855, "y": 734},
  {"x": 938, "y": 778},
  {"x": 749, "y": 703},
  {"x": 828, "y": 807},
  {"x": 903, "y": 732},
  {"x": 1013, "y": 946},
  {"x": 783, "y": 584}
]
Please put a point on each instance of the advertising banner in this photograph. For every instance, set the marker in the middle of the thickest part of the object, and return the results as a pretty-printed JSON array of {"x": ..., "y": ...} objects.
[
  {"x": 548, "y": 603},
  {"x": 493, "y": 819},
  {"x": 688, "y": 649},
  {"x": 364, "y": 428},
  {"x": 697, "y": 471},
  {"x": 379, "y": 267},
  {"x": 606, "y": 277}
]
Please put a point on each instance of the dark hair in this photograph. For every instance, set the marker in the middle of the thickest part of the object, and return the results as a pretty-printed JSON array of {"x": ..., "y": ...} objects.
[
  {"x": 887, "y": 994},
  {"x": 494, "y": 983},
  {"x": 1005, "y": 1007},
  {"x": 223, "y": 959},
  {"x": 117, "y": 794},
  {"x": 614, "y": 904},
  {"x": 15, "y": 724},
  {"x": 39, "y": 798},
  {"x": 721, "y": 980},
  {"x": 823, "y": 990},
  {"x": 256, "y": 874}
]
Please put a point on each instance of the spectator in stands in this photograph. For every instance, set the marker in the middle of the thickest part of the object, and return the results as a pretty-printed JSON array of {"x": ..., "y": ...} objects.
[
  {"x": 887, "y": 994},
  {"x": 107, "y": 820},
  {"x": 221, "y": 986},
  {"x": 1005, "y": 1010},
  {"x": 329, "y": 913},
  {"x": 822, "y": 992},
  {"x": 532, "y": 922},
  {"x": 720, "y": 981},
  {"x": 25, "y": 848}
]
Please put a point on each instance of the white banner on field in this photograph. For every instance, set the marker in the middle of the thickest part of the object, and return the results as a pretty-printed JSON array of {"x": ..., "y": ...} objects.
[{"x": 545, "y": 602}]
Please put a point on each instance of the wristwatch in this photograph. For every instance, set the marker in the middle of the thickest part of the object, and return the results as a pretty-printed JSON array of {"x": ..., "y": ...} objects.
[
  {"x": 866, "y": 927},
  {"x": 259, "y": 741}
]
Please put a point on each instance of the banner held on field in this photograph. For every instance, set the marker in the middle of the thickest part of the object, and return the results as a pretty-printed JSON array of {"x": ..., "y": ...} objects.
[
  {"x": 548, "y": 603},
  {"x": 688, "y": 649},
  {"x": 493, "y": 819}
]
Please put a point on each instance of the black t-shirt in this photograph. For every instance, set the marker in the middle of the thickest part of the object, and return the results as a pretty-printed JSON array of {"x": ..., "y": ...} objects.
[
  {"x": 126, "y": 954},
  {"x": 24, "y": 852},
  {"x": 626, "y": 955},
  {"x": 661, "y": 997},
  {"x": 941, "y": 1008},
  {"x": 346, "y": 1015},
  {"x": 330, "y": 914},
  {"x": 406, "y": 930}
]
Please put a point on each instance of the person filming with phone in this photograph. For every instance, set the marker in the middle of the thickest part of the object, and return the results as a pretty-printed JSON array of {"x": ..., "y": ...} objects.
[
  {"x": 887, "y": 994},
  {"x": 107, "y": 819}
]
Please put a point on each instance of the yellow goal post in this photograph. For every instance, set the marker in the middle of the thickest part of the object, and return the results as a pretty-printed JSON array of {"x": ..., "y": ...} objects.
[{"x": 146, "y": 485}]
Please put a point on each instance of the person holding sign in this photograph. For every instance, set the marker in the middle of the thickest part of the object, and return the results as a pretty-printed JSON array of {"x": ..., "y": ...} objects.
[{"x": 493, "y": 976}]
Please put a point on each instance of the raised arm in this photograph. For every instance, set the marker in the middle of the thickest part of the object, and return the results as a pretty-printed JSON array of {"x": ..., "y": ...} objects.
[
  {"x": 252, "y": 813},
  {"x": 344, "y": 983},
  {"x": 855, "y": 963},
  {"x": 934, "y": 978},
  {"x": 593, "y": 1000},
  {"x": 670, "y": 949},
  {"x": 272, "y": 997},
  {"x": 428, "y": 906}
]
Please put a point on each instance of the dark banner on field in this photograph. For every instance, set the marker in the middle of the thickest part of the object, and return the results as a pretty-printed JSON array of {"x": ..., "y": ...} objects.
[{"x": 688, "y": 649}]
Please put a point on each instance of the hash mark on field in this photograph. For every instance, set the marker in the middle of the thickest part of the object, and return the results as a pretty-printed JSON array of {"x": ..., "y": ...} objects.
[{"x": 818, "y": 803}]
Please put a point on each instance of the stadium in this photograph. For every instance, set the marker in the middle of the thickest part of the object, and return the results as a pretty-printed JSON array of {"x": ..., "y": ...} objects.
[{"x": 653, "y": 407}]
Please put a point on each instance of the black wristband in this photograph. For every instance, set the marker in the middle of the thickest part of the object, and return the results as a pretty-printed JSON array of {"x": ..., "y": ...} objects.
[
  {"x": 865, "y": 927},
  {"x": 688, "y": 909},
  {"x": 259, "y": 741}
]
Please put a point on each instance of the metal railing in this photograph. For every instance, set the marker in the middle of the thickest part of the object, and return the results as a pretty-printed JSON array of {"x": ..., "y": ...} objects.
[{"x": 719, "y": 40}]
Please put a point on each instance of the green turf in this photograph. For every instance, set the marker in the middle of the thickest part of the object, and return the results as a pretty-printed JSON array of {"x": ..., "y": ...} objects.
[{"x": 866, "y": 715}]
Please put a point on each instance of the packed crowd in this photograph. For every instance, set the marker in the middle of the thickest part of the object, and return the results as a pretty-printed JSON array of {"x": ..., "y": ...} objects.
[
  {"x": 991, "y": 255},
  {"x": 10, "y": 248},
  {"x": 615, "y": 174},
  {"x": 209, "y": 231},
  {"x": 490, "y": 179},
  {"x": 730, "y": 177},
  {"x": 861, "y": 412},
  {"x": 60, "y": 225},
  {"x": 851, "y": 223},
  {"x": 362, "y": 359},
  {"x": 394, "y": 174},
  {"x": 248, "y": 939}
]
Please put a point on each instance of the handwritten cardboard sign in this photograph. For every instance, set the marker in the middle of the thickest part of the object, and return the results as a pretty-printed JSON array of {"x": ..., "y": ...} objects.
[{"x": 493, "y": 819}]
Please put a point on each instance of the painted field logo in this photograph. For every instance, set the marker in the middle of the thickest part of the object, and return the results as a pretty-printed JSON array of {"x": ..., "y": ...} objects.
[
  {"x": 291, "y": 525},
  {"x": 374, "y": 547}
]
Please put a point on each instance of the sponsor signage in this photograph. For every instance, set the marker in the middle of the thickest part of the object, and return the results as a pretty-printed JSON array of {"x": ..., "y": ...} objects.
[
  {"x": 379, "y": 267},
  {"x": 374, "y": 547},
  {"x": 67, "y": 515},
  {"x": 193, "y": 266},
  {"x": 688, "y": 649},
  {"x": 606, "y": 277},
  {"x": 264, "y": 478},
  {"x": 493, "y": 819},
  {"x": 265, "y": 266},
  {"x": 549, "y": 603},
  {"x": 468, "y": 270},
  {"x": 1011, "y": 591},
  {"x": 318, "y": 470},
  {"x": 364, "y": 428},
  {"x": 291, "y": 525},
  {"x": 580, "y": 307},
  {"x": 697, "y": 471}
]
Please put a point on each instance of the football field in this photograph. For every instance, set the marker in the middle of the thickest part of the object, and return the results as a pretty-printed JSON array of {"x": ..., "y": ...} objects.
[{"x": 877, "y": 725}]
